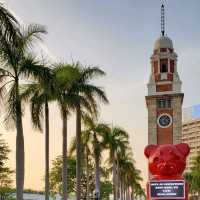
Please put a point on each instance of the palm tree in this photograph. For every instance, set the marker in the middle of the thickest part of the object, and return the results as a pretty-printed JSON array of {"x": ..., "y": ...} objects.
[
  {"x": 52, "y": 85},
  {"x": 116, "y": 140},
  {"x": 85, "y": 96},
  {"x": 124, "y": 162},
  {"x": 65, "y": 75},
  {"x": 95, "y": 131},
  {"x": 9, "y": 26},
  {"x": 85, "y": 139},
  {"x": 129, "y": 176},
  {"x": 40, "y": 93},
  {"x": 17, "y": 62}
]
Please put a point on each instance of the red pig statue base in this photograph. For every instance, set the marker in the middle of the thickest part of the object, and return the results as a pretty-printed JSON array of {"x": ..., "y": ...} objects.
[{"x": 166, "y": 165}]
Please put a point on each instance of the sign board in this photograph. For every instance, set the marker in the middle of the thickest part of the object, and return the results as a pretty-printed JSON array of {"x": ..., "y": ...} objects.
[{"x": 170, "y": 189}]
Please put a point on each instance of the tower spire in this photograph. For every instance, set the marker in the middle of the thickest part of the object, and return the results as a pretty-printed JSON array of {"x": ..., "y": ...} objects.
[{"x": 162, "y": 19}]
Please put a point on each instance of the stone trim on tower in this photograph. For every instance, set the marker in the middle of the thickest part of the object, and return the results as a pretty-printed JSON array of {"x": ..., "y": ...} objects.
[{"x": 170, "y": 134}]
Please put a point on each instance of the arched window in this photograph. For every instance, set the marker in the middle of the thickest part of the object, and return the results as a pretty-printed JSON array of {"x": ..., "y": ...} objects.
[{"x": 163, "y": 68}]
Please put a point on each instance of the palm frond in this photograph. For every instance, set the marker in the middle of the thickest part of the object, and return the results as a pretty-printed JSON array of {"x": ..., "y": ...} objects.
[
  {"x": 28, "y": 90},
  {"x": 37, "y": 103},
  {"x": 31, "y": 67},
  {"x": 89, "y": 73},
  {"x": 5, "y": 73},
  {"x": 72, "y": 148},
  {"x": 3, "y": 89},
  {"x": 120, "y": 132},
  {"x": 102, "y": 128},
  {"x": 92, "y": 93},
  {"x": 88, "y": 121},
  {"x": 31, "y": 34},
  {"x": 10, "y": 107},
  {"x": 85, "y": 104},
  {"x": 65, "y": 75},
  {"x": 8, "y": 53},
  {"x": 9, "y": 25}
]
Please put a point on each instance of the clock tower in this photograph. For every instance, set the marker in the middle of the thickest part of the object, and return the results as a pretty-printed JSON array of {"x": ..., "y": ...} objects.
[{"x": 164, "y": 99}]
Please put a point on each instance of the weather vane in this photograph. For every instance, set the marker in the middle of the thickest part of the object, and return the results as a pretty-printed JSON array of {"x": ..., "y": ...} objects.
[{"x": 162, "y": 18}]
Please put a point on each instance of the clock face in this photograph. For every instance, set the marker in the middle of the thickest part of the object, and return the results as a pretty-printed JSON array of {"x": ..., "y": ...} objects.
[{"x": 164, "y": 120}]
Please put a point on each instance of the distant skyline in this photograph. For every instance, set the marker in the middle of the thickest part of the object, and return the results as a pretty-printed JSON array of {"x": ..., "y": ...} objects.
[{"x": 119, "y": 37}]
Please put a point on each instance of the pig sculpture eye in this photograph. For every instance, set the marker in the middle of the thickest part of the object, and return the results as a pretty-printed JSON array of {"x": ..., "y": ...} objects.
[{"x": 156, "y": 159}]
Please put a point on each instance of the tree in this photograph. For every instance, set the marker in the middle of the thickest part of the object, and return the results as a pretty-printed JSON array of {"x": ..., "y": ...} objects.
[
  {"x": 17, "y": 62},
  {"x": 85, "y": 96},
  {"x": 86, "y": 158},
  {"x": 9, "y": 26},
  {"x": 116, "y": 141},
  {"x": 128, "y": 176},
  {"x": 56, "y": 178},
  {"x": 65, "y": 75},
  {"x": 40, "y": 93},
  {"x": 193, "y": 177},
  {"x": 56, "y": 175},
  {"x": 5, "y": 171},
  {"x": 106, "y": 189},
  {"x": 95, "y": 131}
]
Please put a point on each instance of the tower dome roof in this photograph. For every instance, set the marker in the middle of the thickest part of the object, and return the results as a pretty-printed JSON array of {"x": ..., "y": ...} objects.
[{"x": 163, "y": 42}]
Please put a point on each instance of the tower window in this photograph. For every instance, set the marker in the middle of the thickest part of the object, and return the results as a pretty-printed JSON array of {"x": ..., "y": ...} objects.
[
  {"x": 164, "y": 103},
  {"x": 163, "y": 50},
  {"x": 163, "y": 68}
]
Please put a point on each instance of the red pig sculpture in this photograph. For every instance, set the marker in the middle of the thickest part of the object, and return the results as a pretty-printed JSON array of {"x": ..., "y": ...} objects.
[{"x": 167, "y": 162}]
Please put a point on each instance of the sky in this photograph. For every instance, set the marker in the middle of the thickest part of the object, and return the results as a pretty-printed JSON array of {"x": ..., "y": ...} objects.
[{"x": 118, "y": 36}]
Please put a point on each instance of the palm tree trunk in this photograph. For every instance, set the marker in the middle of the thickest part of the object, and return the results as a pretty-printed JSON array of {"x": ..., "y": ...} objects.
[
  {"x": 114, "y": 180},
  {"x": 132, "y": 195},
  {"x": 129, "y": 194},
  {"x": 120, "y": 194},
  {"x": 46, "y": 150},
  {"x": 87, "y": 174},
  {"x": 117, "y": 181},
  {"x": 120, "y": 187},
  {"x": 124, "y": 191},
  {"x": 64, "y": 155},
  {"x": 78, "y": 152},
  {"x": 97, "y": 177},
  {"x": 19, "y": 149}
]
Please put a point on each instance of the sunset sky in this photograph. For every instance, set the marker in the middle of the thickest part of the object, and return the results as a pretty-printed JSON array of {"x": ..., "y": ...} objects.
[{"x": 118, "y": 36}]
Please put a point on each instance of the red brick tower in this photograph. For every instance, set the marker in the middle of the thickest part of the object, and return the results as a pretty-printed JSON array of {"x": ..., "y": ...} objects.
[{"x": 164, "y": 100}]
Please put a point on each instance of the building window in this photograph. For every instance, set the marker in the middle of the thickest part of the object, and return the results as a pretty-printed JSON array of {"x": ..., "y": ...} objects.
[
  {"x": 163, "y": 68},
  {"x": 163, "y": 50},
  {"x": 164, "y": 103}
]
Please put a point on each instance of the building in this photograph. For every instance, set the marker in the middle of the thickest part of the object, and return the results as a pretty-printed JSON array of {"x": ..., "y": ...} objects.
[
  {"x": 191, "y": 132},
  {"x": 164, "y": 99}
]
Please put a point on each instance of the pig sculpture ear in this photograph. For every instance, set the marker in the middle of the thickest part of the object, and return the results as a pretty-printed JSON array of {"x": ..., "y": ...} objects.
[
  {"x": 183, "y": 148},
  {"x": 149, "y": 150}
]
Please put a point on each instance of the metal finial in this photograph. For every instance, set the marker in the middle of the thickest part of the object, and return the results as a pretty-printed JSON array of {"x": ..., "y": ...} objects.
[{"x": 163, "y": 19}]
